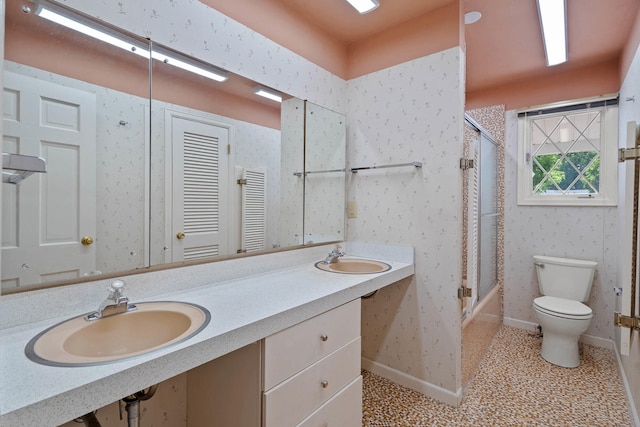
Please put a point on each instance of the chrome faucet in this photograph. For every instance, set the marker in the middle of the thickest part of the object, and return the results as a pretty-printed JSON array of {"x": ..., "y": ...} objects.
[
  {"x": 115, "y": 303},
  {"x": 334, "y": 255}
]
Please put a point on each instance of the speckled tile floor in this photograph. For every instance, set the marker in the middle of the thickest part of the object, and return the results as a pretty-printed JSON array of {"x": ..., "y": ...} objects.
[{"x": 514, "y": 386}]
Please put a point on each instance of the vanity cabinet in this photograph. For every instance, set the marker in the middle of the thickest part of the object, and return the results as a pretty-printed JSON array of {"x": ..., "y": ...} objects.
[
  {"x": 311, "y": 372},
  {"x": 307, "y": 375}
]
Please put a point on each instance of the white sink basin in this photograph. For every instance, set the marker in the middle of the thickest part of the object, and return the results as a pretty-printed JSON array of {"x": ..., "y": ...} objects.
[
  {"x": 154, "y": 325},
  {"x": 354, "y": 266}
]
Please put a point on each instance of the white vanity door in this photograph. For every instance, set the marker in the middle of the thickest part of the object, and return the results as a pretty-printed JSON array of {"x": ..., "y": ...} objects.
[
  {"x": 200, "y": 189},
  {"x": 47, "y": 215}
]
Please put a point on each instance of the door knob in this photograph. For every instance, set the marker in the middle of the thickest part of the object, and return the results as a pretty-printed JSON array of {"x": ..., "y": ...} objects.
[
  {"x": 86, "y": 240},
  {"x": 180, "y": 235}
]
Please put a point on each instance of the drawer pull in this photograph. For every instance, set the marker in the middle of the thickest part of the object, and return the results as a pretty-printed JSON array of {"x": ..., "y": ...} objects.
[
  {"x": 324, "y": 337},
  {"x": 324, "y": 384}
]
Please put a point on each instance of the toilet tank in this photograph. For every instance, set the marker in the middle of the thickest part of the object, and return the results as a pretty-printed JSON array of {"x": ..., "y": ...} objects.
[{"x": 564, "y": 278}]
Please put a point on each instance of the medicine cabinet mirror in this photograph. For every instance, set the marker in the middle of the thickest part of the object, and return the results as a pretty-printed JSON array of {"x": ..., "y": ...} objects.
[{"x": 140, "y": 175}]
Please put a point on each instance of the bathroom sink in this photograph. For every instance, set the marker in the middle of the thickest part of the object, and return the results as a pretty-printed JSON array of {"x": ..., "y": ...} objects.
[
  {"x": 154, "y": 325},
  {"x": 354, "y": 266}
]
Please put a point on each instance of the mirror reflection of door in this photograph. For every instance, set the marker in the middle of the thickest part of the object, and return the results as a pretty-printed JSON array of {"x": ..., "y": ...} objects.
[
  {"x": 200, "y": 219},
  {"x": 46, "y": 216}
]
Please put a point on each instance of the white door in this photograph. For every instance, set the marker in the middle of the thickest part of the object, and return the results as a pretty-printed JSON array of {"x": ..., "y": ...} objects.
[
  {"x": 46, "y": 216},
  {"x": 200, "y": 192}
]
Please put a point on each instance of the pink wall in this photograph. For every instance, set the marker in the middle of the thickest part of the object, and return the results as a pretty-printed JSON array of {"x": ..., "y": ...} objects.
[
  {"x": 427, "y": 34},
  {"x": 581, "y": 82},
  {"x": 630, "y": 49},
  {"x": 278, "y": 23},
  {"x": 422, "y": 36},
  {"x": 598, "y": 79},
  {"x": 94, "y": 62}
]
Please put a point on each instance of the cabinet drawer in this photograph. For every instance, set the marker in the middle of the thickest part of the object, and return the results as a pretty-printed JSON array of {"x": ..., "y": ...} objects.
[
  {"x": 290, "y": 351},
  {"x": 290, "y": 402},
  {"x": 342, "y": 410}
]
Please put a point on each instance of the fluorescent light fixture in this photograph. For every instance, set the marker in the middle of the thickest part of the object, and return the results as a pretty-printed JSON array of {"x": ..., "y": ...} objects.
[
  {"x": 75, "y": 25},
  {"x": 267, "y": 93},
  {"x": 217, "y": 75},
  {"x": 553, "y": 21},
  {"x": 56, "y": 15},
  {"x": 364, "y": 6}
]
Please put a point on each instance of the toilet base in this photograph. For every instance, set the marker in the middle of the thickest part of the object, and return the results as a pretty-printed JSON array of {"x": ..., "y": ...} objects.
[
  {"x": 560, "y": 350},
  {"x": 560, "y": 337}
]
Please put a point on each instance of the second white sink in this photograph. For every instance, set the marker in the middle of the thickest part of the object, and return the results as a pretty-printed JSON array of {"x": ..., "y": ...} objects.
[{"x": 354, "y": 266}]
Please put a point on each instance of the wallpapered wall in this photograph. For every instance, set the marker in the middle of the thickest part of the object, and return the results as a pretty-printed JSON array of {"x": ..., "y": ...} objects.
[
  {"x": 292, "y": 160},
  {"x": 403, "y": 206},
  {"x": 410, "y": 112},
  {"x": 204, "y": 33},
  {"x": 120, "y": 170},
  {"x": 326, "y": 142},
  {"x": 565, "y": 231}
]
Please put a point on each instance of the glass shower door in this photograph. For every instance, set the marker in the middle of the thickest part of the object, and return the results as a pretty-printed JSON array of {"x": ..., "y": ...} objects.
[{"x": 488, "y": 233}]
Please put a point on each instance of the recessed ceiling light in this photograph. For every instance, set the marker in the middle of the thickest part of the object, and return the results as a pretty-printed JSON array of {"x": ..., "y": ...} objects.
[
  {"x": 364, "y": 6},
  {"x": 472, "y": 17}
]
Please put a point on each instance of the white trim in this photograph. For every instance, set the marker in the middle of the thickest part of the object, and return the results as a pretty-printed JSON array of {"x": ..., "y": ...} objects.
[
  {"x": 585, "y": 339},
  {"x": 632, "y": 407},
  {"x": 199, "y": 117},
  {"x": 608, "y": 195},
  {"x": 566, "y": 103},
  {"x": 438, "y": 393},
  {"x": 520, "y": 324}
]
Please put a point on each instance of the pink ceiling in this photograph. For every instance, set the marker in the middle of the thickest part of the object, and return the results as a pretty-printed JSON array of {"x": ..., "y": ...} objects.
[
  {"x": 338, "y": 18},
  {"x": 503, "y": 47}
]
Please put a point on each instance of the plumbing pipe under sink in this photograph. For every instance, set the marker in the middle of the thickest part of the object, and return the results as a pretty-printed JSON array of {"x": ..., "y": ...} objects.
[{"x": 132, "y": 407}]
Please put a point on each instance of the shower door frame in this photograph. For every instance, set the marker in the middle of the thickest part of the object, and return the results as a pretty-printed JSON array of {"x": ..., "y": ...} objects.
[{"x": 469, "y": 304}]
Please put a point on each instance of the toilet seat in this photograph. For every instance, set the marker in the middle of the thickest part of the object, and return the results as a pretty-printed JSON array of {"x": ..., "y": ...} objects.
[{"x": 561, "y": 307}]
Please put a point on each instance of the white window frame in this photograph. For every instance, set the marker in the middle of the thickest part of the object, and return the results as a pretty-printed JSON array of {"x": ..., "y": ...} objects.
[{"x": 608, "y": 191}]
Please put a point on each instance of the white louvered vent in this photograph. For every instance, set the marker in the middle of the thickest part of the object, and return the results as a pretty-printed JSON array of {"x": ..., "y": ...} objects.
[
  {"x": 201, "y": 184},
  {"x": 253, "y": 211},
  {"x": 201, "y": 252}
]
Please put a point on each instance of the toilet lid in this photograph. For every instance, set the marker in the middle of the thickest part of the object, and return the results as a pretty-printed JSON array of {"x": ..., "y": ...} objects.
[{"x": 562, "y": 307}]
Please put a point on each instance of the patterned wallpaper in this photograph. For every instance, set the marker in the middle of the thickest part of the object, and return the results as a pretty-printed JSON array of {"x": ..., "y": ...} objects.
[
  {"x": 324, "y": 192},
  {"x": 292, "y": 161},
  {"x": 202, "y": 32},
  {"x": 252, "y": 146},
  {"x": 410, "y": 112},
  {"x": 120, "y": 170},
  {"x": 570, "y": 232}
]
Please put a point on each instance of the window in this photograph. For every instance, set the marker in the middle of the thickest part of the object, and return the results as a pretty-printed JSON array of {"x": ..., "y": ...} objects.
[{"x": 568, "y": 155}]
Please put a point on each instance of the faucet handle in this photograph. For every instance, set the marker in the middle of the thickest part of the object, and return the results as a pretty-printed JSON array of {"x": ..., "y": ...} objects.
[{"x": 116, "y": 288}]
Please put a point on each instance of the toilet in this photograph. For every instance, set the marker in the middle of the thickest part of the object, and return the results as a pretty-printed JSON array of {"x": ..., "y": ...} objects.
[{"x": 565, "y": 284}]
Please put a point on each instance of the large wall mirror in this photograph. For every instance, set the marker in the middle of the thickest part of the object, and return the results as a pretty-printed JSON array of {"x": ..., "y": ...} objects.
[{"x": 149, "y": 163}]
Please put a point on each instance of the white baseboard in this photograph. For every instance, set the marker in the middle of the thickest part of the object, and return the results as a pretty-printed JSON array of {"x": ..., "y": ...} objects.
[
  {"x": 632, "y": 407},
  {"x": 520, "y": 324},
  {"x": 586, "y": 339},
  {"x": 438, "y": 393}
]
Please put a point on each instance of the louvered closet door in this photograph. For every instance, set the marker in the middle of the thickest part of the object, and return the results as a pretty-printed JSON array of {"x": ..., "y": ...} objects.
[
  {"x": 253, "y": 210},
  {"x": 200, "y": 190}
]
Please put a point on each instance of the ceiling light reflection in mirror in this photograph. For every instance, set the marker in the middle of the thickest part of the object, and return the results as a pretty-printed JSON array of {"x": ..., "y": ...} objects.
[{"x": 125, "y": 180}]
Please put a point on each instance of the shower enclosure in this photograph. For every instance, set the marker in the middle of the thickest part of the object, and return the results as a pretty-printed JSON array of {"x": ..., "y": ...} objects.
[{"x": 481, "y": 303}]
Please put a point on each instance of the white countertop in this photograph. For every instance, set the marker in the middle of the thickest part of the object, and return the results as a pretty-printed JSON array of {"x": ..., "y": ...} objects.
[{"x": 243, "y": 310}]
